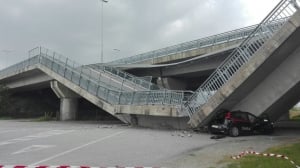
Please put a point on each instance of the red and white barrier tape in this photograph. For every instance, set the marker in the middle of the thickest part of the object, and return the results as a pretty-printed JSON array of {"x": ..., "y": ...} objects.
[
  {"x": 65, "y": 166},
  {"x": 263, "y": 154}
]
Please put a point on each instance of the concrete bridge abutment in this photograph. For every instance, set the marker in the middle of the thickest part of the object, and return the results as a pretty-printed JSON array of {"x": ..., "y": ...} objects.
[{"x": 68, "y": 101}]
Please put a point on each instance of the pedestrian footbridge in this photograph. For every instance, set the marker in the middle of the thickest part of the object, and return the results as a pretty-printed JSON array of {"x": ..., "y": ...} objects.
[{"x": 261, "y": 75}]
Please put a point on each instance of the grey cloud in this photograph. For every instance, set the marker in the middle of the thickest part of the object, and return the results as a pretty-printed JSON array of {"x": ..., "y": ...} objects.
[{"x": 72, "y": 27}]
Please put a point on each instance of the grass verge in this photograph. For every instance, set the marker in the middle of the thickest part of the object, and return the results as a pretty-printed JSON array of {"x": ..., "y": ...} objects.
[
  {"x": 295, "y": 114},
  {"x": 296, "y": 117},
  {"x": 5, "y": 118},
  {"x": 291, "y": 150},
  {"x": 47, "y": 117}
]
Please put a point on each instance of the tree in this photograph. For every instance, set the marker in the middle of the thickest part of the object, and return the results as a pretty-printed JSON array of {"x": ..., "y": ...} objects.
[{"x": 4, "y": 100}]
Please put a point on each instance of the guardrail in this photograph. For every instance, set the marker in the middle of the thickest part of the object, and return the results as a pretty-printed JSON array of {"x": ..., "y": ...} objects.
[
  {"x": 241, "y": 55},
  {"x": 78, "y": 75}
]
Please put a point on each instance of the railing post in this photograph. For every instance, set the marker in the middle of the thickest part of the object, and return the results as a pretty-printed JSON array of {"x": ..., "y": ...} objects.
[
  {"x": 132, "y": 97},
  {"x": 40, "y": 54},
  {"x": 120, "y": 94},
  {"x": 107, "y": 93},
  {"x": 80, "y": 76},
  {"x": 97, "y": 90},
  {"x": 122, "y": 84},
  {"x": 147, "y": 97},
  {"x": 66, "y": 64},
  {"x": 52, "y": 61},
  {"x": 164, "y": 97}
]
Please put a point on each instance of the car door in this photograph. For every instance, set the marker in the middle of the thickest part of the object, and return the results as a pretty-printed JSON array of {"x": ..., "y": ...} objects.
[
  {"x": 242, "y": 121},
  {"x": 253, "y": 121}
]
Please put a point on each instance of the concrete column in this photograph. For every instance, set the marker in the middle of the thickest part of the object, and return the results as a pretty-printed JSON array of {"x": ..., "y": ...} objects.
[
  {"x": 68, "y": 101},
  {"x": 68, "y": 108}
]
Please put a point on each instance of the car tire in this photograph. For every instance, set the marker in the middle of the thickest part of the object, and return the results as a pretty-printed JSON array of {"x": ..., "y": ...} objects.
[
  {"x": 268, "y": 130},
  {"x": 234, "y": 131}
]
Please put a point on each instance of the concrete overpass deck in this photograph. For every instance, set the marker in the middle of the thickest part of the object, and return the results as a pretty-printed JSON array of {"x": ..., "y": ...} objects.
[
  {"x": 69, "y": 83},
  {"x": 193, "y": 48},
  {"x": 209, "y": 61}
]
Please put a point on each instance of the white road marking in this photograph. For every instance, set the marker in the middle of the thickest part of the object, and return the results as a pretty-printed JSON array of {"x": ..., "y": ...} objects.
[
  {"x": 35, "y": 136},
  {"x": 77, "y": 148},
  {"x": 33, "y": 148}
]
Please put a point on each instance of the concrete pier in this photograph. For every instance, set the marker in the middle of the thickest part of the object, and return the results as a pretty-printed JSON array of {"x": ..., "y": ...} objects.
[{"x": 68, "y": 101}]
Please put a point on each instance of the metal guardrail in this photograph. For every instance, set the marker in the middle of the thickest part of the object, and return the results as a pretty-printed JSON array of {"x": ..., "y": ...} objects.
[
  {"x": 233, "y": 35},
  {"x": 77, "y": 74},
  {"x": 241, "y": 55}
]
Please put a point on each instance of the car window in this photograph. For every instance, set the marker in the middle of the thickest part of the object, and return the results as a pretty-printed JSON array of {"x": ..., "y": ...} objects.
[
  {"x": 252, "y": 118},
  {"x": 241, "y": 116}
]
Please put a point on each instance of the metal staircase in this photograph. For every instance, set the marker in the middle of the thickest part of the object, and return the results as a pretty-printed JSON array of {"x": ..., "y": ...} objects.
[
  {"x": 241, "y": 55},
  {"x": 95, "y": 83},
  {"x": 123, "y": 78}
]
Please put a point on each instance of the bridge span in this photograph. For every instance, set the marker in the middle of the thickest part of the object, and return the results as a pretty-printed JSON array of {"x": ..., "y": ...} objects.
[{"x": 260, "y": 75}]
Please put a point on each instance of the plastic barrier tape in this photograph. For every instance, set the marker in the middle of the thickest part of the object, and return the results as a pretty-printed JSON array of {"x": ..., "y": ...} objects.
[
  {"x": 66, "y": 166},
  {"x": 264, "y": 154}
]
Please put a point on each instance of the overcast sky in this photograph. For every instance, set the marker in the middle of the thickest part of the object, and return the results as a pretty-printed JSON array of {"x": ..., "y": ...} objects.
[{"x": 73, "y": 27}]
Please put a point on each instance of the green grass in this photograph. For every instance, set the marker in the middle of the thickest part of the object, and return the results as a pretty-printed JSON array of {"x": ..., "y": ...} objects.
[
  {"x": 47, "y": 117},
  {"x": 296, "y": 117},
  {"x": 250, "y": 161},
  {"x": 5, "y": 118},
  {"x": 295, "y": 114}
]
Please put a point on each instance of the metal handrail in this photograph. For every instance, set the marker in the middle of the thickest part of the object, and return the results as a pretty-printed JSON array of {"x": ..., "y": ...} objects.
[
  {"x": 146, "y": 84},
  {"x": 76, "y": 74},
  {"x": 237, "y": 34},
  {"x": 241, "y": 55},
  {"x": 136, "y": 83}
]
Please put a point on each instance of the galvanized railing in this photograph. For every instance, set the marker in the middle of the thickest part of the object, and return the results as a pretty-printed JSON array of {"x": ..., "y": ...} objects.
[
  {"x": 233, "y": 35},
  {"x": 229, "y": 36},
  {"x": 77, "y": 74},
  {"x": 237, "y": 34},
  {"x": 117, "y": 78},
  {"x": 241, "y": 55},
  {"x": 144, "y": 82}
]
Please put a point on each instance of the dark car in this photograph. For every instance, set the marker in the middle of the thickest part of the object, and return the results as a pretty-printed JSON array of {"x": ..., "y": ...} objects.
[{"x": 236, "y": 123}]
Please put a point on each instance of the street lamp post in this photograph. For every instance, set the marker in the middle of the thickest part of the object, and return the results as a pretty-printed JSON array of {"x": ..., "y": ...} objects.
[{"x": 102, "y": 13}]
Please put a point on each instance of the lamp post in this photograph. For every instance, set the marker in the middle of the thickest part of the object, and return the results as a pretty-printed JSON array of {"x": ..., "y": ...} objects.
[{"x": 102, "y": 1}]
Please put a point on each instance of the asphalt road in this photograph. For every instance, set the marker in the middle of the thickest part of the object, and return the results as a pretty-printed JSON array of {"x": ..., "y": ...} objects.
[
  {"x": 99, "y": 144},
  {"x": 92, "y": 144}
]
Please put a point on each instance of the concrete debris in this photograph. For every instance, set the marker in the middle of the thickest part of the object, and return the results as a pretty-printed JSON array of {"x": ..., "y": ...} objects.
[
  {"x": 105, "y": 126},
  {"x": 182, "y": 134}
]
